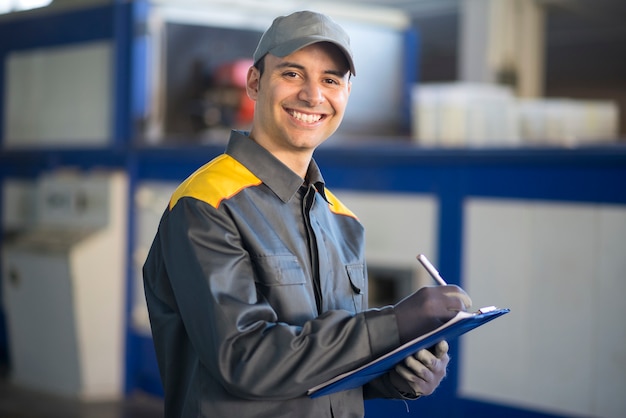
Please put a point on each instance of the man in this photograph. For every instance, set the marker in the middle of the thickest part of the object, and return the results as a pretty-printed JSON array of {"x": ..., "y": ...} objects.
[{"x": 256, "y": 282}]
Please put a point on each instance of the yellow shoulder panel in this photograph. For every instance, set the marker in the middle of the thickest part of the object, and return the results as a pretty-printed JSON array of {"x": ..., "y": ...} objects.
[
  {"x": 215, "y": 181},
  {"x": 336, "y": 206}
]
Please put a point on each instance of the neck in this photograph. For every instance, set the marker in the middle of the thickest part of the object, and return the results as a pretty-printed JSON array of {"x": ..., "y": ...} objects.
[{"x": 297, "y": 160}]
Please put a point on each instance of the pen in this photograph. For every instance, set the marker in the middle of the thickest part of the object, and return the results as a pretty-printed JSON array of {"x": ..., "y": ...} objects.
[{"x": 431, "y": 269}]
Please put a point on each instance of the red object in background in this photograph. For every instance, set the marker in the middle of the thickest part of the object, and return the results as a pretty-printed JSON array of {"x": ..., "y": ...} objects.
[
  {"x": 245, "y": 113},
  {"x": 234, "y": 74}
]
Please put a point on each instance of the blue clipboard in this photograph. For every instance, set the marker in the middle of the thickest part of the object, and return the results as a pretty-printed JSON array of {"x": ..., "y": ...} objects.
[{"x": 460, "y": 324}]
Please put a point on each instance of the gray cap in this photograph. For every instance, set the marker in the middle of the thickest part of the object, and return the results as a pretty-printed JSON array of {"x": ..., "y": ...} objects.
[{"x": 291, "y": 33}]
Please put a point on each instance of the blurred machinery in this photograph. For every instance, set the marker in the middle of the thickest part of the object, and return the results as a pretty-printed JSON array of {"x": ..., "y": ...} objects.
[
  {"x": 196, "y": 64},
  {"x": 223, "y": 103},
  {"x": 64, "y": 282}
]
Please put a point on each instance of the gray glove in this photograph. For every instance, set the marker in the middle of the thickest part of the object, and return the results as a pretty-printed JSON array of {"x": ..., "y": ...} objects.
[
  {"x": 421, "y": 373},
  {"x": 428, "y": 308}
]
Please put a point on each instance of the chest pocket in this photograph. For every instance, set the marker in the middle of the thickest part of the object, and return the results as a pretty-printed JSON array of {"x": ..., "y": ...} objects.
[
  {"x": 356, "y": 275},
  {"x": 282, "y": 282},
  {"x": 279, "y": 270}
]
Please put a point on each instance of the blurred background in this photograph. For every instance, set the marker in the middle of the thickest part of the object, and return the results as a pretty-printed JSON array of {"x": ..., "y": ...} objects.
[{"x": 486, "y": 134}]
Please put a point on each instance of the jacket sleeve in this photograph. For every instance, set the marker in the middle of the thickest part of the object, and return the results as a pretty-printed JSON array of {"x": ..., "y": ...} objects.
[
  {"x": 383, "y": 388},
  {"x": 235, "y": 331}
]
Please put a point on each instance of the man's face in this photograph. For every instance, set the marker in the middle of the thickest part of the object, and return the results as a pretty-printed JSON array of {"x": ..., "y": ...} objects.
[{"x": 300, "y": 99}]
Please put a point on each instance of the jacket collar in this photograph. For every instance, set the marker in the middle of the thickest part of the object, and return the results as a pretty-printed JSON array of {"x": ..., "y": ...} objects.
[{"x": 271, "y": 171}]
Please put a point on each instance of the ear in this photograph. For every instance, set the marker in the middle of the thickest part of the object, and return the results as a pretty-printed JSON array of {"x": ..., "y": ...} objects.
[{"x": 253, "y": 80}]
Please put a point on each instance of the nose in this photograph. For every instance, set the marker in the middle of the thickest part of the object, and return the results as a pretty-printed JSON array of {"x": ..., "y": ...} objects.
[{"x": 311, "y": 93}]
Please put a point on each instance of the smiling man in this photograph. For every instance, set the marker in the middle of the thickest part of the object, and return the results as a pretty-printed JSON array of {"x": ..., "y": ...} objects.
[
  {"x": 301, "y": 103},
  {"x": 256, "y": 281}
]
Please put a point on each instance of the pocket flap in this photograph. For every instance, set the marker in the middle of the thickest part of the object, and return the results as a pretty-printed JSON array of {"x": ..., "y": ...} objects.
[{"x": 356, "y": 273}]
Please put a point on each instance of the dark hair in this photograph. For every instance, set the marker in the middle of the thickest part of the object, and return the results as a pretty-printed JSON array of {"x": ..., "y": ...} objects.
[{"x": 260, "y": 65}]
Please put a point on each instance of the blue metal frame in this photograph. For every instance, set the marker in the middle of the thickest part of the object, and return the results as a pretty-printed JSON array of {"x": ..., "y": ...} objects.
[
  {"x": 113, "y": 23},
  {"x": 591, "y": 174}
]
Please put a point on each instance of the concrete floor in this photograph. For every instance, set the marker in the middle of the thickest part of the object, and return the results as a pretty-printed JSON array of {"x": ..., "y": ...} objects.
[{"x": 16, "y": 402}]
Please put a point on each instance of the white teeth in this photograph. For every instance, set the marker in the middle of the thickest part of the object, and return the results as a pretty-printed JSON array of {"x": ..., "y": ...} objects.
[{"x": 305, "y": 117}]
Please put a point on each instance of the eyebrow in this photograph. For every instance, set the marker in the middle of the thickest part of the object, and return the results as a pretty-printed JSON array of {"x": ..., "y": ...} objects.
[{"x": 289, "y": 64}]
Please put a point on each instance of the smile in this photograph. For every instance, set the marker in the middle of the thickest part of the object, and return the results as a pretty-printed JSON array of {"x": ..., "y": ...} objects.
[{"x": 305, "y": 117}]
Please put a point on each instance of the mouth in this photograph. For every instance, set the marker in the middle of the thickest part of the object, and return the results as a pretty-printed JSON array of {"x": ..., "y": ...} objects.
[{"x": 308, "y": 118}]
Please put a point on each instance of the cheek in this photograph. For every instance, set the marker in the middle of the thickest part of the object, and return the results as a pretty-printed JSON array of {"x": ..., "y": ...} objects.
[
  {"x": 343, "y": 96},
  {"x": 340, "y": 103},
  {"x": 264, "y": 102},
  {"x": 271, "y": 96}
]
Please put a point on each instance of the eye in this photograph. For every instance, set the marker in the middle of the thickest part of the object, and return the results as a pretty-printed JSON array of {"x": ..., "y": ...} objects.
[
  {"x": 334, "y": 82},
  {"x": 290, "y": 74}
]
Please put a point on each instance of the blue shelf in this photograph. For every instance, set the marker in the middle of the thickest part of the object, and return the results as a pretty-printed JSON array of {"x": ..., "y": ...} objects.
[{"x": 595, "y": 174}]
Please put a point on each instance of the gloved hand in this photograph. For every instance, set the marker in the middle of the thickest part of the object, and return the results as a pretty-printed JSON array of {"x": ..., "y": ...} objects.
[
  {"x": 421, "y": 373},
  {"x": 428, "y": 308}
]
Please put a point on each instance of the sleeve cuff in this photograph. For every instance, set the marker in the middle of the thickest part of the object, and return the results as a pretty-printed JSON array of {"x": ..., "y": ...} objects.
[{"x": 382, "y": 329}]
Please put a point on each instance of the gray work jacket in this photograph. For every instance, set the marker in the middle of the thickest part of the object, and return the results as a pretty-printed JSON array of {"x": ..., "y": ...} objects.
[{"x": 256, "y": 288}]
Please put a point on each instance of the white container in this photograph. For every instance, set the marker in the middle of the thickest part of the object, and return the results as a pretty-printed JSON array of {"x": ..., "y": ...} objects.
[
  {"x": 461, "y": 114},
  {"x": 568, "y": 122}
]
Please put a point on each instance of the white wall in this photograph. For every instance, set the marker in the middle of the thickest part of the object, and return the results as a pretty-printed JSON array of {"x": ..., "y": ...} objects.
[{"x": 560, "y": 268}]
